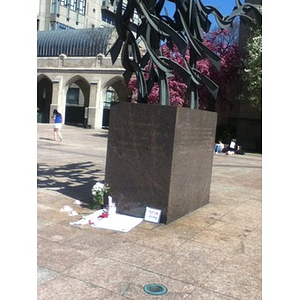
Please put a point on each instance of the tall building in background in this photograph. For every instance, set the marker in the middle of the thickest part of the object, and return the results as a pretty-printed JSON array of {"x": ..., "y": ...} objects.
[{"x": 74, "y": 14}]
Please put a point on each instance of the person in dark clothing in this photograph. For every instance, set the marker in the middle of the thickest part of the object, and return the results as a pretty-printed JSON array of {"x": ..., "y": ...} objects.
[{"x": 232, "y": 147}]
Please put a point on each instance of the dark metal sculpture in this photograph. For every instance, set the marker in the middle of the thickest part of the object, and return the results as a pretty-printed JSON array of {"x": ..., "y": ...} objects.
[{"x": 185, "y": 30}]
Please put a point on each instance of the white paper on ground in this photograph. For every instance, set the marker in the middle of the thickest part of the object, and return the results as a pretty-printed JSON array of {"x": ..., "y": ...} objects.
[
  {"x": 118, "y": 222},
  {"x": 73, "y": 213},
  {"x": 66, "y": 208},
  {"x": 113, "y": 222},
  {"x": 80, "y": 222},
  {"x": 88, "y": 218}
]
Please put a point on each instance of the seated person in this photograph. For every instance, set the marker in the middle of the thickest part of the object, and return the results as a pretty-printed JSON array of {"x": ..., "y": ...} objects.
[
  {"x": 219, "y": 147},
  {"x": 232, "y": 147}
]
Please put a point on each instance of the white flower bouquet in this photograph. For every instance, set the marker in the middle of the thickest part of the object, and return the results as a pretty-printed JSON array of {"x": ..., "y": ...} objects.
[{"x": 98, "y": 191}]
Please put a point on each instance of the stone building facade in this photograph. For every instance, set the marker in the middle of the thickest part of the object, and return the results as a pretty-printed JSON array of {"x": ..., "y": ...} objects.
[
  {"x": 75, "y": 77},
  {"x": 74, "y": 14},
  {"x": 73, "y": 74}
]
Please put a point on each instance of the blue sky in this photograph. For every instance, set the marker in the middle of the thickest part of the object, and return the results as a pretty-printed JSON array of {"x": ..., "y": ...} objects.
[{"x": 224, "y": 6}]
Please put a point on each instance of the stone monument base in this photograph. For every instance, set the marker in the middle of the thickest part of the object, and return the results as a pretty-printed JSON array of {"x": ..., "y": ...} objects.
[{"x": 159, "y": 157}]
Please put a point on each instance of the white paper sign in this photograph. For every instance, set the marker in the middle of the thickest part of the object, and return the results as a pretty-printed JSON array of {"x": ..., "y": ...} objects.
[{"x": 152, "y": 215}]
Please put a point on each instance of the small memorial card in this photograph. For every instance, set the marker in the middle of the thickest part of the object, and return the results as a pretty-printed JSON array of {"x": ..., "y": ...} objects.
[{"x": 152, "y": 215}]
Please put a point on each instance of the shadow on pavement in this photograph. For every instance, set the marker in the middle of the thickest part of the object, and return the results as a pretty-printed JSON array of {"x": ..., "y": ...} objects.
[
  {"x": 73, "y": 180},
  {"x": 104, "y": 135},
  {"x": 47, "y": 139},
  {"x": 237, "y": 166}
]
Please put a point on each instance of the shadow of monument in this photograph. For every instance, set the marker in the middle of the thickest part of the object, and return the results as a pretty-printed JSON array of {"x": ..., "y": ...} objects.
[{"x": 73, "y": 180}]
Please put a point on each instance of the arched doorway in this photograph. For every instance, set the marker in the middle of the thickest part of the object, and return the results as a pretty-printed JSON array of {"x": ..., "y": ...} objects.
[
  {"x": 116, "y": 92},
  {"x": 44, "y": 97},
  {"x": 110, "y": 99},
  {"x": 77, "y": 102}
]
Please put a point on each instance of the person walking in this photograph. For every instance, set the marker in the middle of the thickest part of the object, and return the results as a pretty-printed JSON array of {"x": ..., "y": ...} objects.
[{"x": 57, "y": 118}]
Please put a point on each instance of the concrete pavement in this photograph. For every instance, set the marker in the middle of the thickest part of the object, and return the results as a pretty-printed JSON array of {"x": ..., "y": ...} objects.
[{"x": 212, "y": 253}]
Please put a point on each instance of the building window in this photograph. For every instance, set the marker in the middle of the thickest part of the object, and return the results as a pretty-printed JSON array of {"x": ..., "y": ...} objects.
[
  {"x": 73, "y": 96},
  {"x": 81, "y": 6},
  {"x": 111, "y": 97},
  {"x": 72, "y": 5},
  {"x": 54, "y": 6},
  {"x": 61, "y": 26},
  {"x": 107, "y": 17}
]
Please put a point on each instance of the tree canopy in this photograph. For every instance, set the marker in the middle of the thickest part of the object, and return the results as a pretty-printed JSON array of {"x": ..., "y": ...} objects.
[
  {"x": 221, "y": 43},
  {"x": 251, "y": 70}
]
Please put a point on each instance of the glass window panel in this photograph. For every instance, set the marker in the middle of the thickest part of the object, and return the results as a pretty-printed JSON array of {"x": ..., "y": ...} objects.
[
  {"x": 72, "y": 5},
  {"x": 73, "y": 96},
  {"x": 81, "y": 6},
  {"x": 53, "y": 7},
  {"x": 110, "y": 97}
]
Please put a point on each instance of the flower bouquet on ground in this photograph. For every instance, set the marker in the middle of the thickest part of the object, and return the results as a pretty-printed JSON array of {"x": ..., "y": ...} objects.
[{"x": 99, "y": 190}]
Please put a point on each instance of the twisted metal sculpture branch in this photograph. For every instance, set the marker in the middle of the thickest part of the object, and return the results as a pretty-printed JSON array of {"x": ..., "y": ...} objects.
[{"x": 185, "y": 30}]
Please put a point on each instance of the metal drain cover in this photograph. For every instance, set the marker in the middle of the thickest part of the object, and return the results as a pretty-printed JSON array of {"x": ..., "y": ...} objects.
[{"x": 155, "y": 289}]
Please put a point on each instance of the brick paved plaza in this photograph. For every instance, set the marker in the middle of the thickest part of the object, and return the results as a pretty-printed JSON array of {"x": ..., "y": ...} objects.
[{"x": 214, "y": 252}]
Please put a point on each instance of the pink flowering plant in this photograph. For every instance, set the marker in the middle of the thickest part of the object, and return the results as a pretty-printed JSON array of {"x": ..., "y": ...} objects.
[
  {"x": 222, "y": 42},
  {"x": 98, "y": 191}
]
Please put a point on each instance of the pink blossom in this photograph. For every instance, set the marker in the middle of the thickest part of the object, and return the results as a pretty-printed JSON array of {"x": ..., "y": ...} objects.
[{"x": 217, "y": 41}]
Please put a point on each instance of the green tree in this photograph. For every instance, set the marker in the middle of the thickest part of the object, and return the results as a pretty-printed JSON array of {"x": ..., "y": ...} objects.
[{"x": 251, "y": 71}]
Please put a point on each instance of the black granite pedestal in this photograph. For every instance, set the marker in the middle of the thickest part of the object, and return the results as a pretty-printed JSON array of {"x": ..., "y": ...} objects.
[{"x": 159, "y": 157}]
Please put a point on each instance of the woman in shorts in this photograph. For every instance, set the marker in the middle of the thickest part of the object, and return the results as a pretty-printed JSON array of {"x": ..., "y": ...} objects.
[{"x": 57, "y": 117}]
